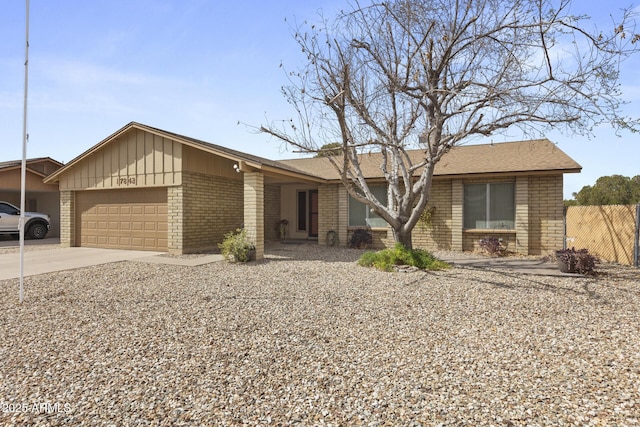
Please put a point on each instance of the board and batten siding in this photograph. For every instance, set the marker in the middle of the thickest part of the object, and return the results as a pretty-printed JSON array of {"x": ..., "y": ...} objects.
[
  {"x": 135, "y": 159},
  {"x": 202, "y": 162}
]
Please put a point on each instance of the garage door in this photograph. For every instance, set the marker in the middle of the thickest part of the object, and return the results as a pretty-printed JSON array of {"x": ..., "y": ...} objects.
[{"x": 122, "y": 219}]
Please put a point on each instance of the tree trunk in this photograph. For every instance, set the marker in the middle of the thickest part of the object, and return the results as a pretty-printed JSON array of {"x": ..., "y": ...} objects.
[{"x": 403, "y": 237}]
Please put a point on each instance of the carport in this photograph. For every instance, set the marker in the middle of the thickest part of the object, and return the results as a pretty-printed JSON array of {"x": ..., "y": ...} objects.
[{"x": 40, "y": 197}]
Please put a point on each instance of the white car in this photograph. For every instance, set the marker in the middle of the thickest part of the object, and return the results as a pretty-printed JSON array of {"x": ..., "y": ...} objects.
[{"x": 36, "y": 224}]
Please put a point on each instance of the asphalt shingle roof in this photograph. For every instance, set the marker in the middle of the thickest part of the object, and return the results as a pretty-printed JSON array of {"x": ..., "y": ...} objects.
[
  {"x": 511, "y": 157},
  {"x": 539, "y": 155}
]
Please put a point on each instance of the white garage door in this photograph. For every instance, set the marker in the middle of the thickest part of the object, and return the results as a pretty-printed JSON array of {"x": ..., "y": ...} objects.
[{"x": 122, "y": 219}]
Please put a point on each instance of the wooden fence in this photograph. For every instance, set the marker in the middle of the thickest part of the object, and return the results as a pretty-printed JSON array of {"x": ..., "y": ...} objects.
[{"x": 610, "y": 232}]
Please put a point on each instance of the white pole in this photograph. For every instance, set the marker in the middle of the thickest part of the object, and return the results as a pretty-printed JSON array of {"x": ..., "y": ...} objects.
[{"x": 25, "y": 137}]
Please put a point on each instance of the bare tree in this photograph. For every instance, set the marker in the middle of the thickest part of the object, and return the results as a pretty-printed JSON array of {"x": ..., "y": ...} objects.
[{"x": 432, "y": 74}]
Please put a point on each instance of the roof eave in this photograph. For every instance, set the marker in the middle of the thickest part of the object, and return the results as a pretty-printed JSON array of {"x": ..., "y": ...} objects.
[
  {"x": 247, "y": 162},
  {"x": 485, "y": 174},
  {"x": 510, "y": 173},
  {"x": 54, "y": 176}
]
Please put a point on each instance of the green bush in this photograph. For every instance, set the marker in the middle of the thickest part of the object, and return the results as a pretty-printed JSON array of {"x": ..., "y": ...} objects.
[
  {"x": 386, "y": 259},
  {"x": 236, "y": 246}
]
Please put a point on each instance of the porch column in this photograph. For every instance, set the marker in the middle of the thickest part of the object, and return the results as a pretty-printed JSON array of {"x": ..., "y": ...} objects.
[
  {"x": 67, "y": 219},
  {"x": 522, "y": 215},
  {"x": 175, "y": 234},
  {"x": 254, "y": 210},
  {"x": 343, "y": 215},
  {"x": 457, "y": 212},
  {"x": 328, "y": 212}
]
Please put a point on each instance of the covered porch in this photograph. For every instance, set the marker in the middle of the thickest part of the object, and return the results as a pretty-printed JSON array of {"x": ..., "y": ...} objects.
[{"x": 279, "y": 204}]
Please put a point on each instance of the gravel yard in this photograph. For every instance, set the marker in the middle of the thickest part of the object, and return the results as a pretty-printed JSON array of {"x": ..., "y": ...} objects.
[{"x": 307, "y": 337}]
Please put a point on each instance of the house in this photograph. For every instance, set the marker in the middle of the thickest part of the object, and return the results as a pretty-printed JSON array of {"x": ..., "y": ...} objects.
[
  {"x": 146, "y": 188},
  {"x": 39, "y": 197}
]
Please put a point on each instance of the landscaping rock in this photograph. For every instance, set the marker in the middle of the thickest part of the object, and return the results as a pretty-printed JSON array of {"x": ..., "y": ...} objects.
[{"x": 308, "y": 337}]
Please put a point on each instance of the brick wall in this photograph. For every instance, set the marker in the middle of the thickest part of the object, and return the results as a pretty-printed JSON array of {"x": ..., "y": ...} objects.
[
  {"x": 471, "y": 240},
  {"x": 546, "y": 214},
  {"x": 175, "y": 209},
  {"x": 327, "y": 212},
  {"x": 521, "y": 244},
  {"x": 343, "y": 215},
  {"x": 253, "y": 196},
  {"x": 271, "y": 212},
  {"x": 539, "y": 217},
  {"x": 67, "y": 219},
  {"x": 457, "y": 211},
  {"x": 436, "y": 236},
  {"x": 212, "y": 206},
  {"x": 379, "y": 237}
]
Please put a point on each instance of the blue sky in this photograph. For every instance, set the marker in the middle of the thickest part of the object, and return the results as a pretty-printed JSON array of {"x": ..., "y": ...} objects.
[{"x": 198, "y": 67}]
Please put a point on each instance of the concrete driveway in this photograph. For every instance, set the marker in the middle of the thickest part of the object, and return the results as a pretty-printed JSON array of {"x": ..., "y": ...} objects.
[
  {"x": 57, "y": 259},
  {"x": 10, "y": 242},
  {"x": 49, "y": 257}
]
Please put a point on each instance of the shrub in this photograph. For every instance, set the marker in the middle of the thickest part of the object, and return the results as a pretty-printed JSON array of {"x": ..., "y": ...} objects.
[
  {"x": 236, "y": 246},
  {"x": 361, "y": 238},
  {"x": 386, "y": 259},
  {"x": 426, "y": 218},
  {"x": 576, "y": 261},
  {"x": 492, "y": 245}
]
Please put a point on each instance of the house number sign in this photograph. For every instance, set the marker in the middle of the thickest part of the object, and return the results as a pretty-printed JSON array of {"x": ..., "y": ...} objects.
[{"x": 130, "y": 180}]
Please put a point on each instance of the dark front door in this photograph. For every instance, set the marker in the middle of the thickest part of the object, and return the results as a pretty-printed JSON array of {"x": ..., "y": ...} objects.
[{"x": 313, "y": 213}]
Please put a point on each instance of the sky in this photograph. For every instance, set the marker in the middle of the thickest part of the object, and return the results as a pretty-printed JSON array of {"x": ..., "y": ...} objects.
[{"x": 199, "y": 68}]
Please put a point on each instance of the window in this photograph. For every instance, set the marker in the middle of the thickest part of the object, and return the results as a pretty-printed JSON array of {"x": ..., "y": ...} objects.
[
  {"x": 361, "y": 216},
  {"x": 489, "y": 206}
]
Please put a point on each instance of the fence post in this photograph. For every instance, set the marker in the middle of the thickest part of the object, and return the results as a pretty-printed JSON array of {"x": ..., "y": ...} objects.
[
  {"x": 565, "y": 209},
  {"x": 636, "y": 249}
]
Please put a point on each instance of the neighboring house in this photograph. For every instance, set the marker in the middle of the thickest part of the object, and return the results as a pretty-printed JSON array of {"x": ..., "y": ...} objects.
[
  {"x": 39, "y": 197},
  {"x": 145, "y": 188}
]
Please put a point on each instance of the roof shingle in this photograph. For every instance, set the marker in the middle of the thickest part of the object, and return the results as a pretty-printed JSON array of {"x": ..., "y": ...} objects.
[{"x": 539, "y": 155}]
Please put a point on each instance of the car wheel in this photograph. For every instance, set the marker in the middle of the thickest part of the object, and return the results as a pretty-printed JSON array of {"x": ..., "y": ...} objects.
[{"x": 38, "y": 231}]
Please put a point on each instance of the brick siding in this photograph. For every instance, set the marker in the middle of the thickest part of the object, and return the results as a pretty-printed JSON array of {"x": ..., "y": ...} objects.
[
  {"x": 271, "y": 212},
  {"x": 253, "y": 195},
  {"x": 546, "y": 214},
  {"x": 471, "y": 240},
  {"x": 328, "y": 217},
  {"x": 539, "y": 215},
  {"x": 67, "y": 219},
  {"x": 379, "y": 237},
  {"x": 212, "y": 207},
  {"x": 521, "y": 243},
  {"x": 175, "y": 210},
  {"x": 437, "y": 235}
]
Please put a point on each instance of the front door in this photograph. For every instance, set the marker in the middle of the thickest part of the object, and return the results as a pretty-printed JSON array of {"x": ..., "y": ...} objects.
[{"x": 313, "y": 213}]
